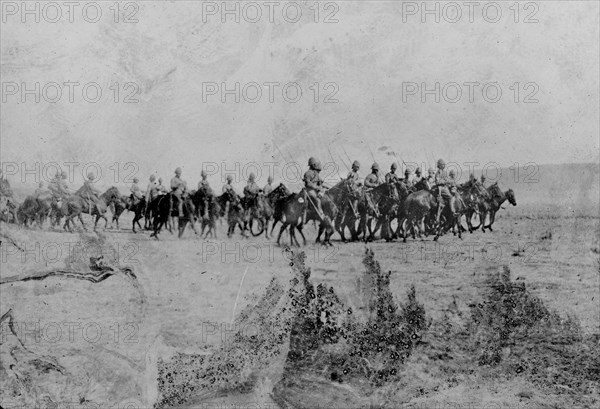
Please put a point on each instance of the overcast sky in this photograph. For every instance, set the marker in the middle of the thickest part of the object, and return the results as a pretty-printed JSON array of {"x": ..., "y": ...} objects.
[{"x": 361, "y": 75}]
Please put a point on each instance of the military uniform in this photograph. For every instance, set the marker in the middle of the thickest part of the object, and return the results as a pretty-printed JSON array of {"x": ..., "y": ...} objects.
[
  {"x": 136, "y": 192},
  {"x": 251, "y": 190},
  {"x": 372, "y": 181},
  {"x": 444, "y": 184},
  {"x": 313, "y": 182},
  {"x": 178, "y": 187},
  {"x": 59, "y": 188},
  {"x": 392, "y": 177},
  {"x": 227, "y": 187},
  {"x": 267, "y": 189},
  {"x": 353, "y": 177},
  {"x": 151, "y": 191}
]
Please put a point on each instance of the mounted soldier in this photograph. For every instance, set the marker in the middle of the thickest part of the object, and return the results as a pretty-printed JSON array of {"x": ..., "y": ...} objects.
[
  {"x": 269, "y": 186},
  {"x": 407, "y": 179},
  {"x": 444, "y": 183},
  {"x": 136, "y": 193},
  {"x": 203, "y": 184},
  {"x": 178, "y": 188},
  {"x": 354, "y": 184},
  {"x": 313, "y": 184},
  {"x": 41, "y": 190},
  {"x": 430, "y": 179},
  {"x": 251, "y": 191},
  {"x": 391, "y": 176},
  {"x": 228, "y": 187},
  {"x": 151, "y": 189},
  {"x": 90, "y": 193},
  {"x": 373, "y": 179},
  {"x": 58, "y": 186},
  {"x": 160, "y": 188},
  {"x": 418, "y": 177}
]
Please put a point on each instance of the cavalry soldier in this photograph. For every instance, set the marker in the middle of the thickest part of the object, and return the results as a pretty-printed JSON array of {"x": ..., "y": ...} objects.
[
  {"x": 178, "y": 187},
  {"x": 41, "y": 190},
  {"x": 313, "y": 184},
  {"x": 355, "y": 183},
  {"x": 430, "y": 179},
  {"x": 89, "y": 192},
  {"x": 160, "y": 188},
  {"x": 373, "y": 179},
  {"x": 203, "y": 184},
  {"x": 483, "y": 179},
  {"x": 417, "y": 177},
  {"x": 444, "y": 182},
  {"x": 151, "y": 189},
  {"x": 136, "y": 192},
  {"x": 58, "y": 186},
  {"x": 228, "y": 187},
  {"x": 353, "y": 175},
  {"x": 269, "y": 186},
  {"x": 251, "y": 190},
  {"x": 407, "y": 179},
  {"x": 391, "y": 176}
]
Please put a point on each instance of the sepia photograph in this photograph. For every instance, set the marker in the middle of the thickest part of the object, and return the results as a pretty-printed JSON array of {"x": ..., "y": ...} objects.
[{"x": 311, "y": 204}]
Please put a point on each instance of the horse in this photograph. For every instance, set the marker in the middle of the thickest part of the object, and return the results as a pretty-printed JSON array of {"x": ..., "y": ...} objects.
[
  {"x": 385, "y": 200},
  {"x": 418, "y": 206},
  {"x": 258, "y": 209},
  {"x": 491, "y": 205},
  {"x": 235, "y": 213},
  {"x": 330, "y": 211},
  {"x": 76, "y": 204},
  {"x": 471, "y": 193},
  {"x": 399, "y": 212},
  {"x": 163, "y": 207},
  {"x": 342, "y": 194}
]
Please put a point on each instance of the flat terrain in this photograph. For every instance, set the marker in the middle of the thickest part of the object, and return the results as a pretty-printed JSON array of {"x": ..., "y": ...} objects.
[{"x": 106, "y": 337}]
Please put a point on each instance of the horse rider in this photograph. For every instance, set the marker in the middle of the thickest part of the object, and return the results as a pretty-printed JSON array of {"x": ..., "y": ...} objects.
[
  {"x": 251, "y": 190},
  {"x": 151, "y": 189},
  {"x": 355, "y": 183},
  {"x": 430, "y": 179},
  {"x": 228, "y": 187},
  {"x": 160, "y": 188},
  {"x": 373, "y": 180},
  {"x": 269, "y": 186},
  {"x": 407, "y": 179},
  {"x": 90, "y": 192},
  {"x": 41, "y": 190},
  {"x": 391, "y": 176},
  {"x": 443, "y": 182},
  {"x": 203, "y": 184},
  {"x": 58, "y": 186},
  {"x": 136, "y": 192},
  {"x": 178, "y": 188},
  {"x": 483, "y": 179},
  {"x": 417, "y": 177},
  {"x": 313, "y": 184}
]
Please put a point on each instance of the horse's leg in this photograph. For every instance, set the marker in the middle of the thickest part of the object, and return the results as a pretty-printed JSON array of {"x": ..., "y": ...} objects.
[
  {"x": 319, "y": 232},
  {"x": 299, "y": 228},
  {"x": 280, "y": 233},
  {"x": 492, "y": 220}
]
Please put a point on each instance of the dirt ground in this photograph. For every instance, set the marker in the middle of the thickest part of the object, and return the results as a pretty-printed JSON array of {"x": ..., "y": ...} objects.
[{"x": 101, "y": 341}]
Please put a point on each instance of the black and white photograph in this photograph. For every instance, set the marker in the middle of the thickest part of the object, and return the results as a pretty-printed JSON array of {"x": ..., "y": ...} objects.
[{"x": 309, "y": 204}]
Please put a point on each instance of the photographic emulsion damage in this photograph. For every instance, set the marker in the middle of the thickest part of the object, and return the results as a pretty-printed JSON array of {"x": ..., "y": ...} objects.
[{"x": 299, "y": 204}]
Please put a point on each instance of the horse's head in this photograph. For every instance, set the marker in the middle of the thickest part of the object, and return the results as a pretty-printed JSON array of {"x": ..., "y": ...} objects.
[
  {"x": 111, "y": 194},
  {"x": 510, "y": 196},
  {"x": 279, "y": 192},
  {"x": 393, "y": 191}
]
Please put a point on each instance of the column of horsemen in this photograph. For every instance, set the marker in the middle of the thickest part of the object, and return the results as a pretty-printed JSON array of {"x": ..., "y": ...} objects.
[{"x": 430, "y": 204}]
